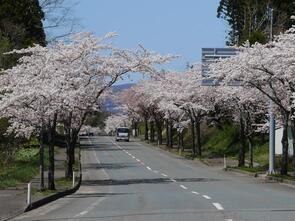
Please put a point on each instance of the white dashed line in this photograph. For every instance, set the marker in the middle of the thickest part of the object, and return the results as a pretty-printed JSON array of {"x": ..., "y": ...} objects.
[
  {"x": 137, "y": 160},
  {"x": 206, "y": 197},
  {"x": 173, "y": 180},
  {"x": 142, "y": 163},
  {"x": 218, "y": 206},
  {"x": 163, "y": 174},
  {"x": 148, "y": 168},
  {"x": 82, "y": 213},
  {"x": 155, "y": 171},
  {"x": 228, "y": 220},
  {"x": 194, "y": 192},
  {"x": 183, "y": 187},
  {"x": 133, "y": 157}
]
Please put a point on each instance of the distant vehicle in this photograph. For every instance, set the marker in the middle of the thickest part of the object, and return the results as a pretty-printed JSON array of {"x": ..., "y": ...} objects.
[{"x": 122, "y": 133}]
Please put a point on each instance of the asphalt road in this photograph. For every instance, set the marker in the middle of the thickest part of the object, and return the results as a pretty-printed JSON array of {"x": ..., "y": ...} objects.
[{"x": 130, "y": 181}]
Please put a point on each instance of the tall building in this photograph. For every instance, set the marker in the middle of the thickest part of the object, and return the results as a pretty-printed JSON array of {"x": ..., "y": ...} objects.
[{"x": 210, "y": 55}]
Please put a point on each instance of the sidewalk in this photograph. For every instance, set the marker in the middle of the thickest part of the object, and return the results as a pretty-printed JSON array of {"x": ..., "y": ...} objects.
[{"x": 13, "y": 200}]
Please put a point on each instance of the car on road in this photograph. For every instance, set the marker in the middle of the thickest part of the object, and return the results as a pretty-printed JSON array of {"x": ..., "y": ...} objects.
[{"x": 122, "y": 133}]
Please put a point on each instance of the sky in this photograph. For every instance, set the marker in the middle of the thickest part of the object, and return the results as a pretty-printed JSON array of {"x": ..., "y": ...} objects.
[{"x": 179, "y": 27}]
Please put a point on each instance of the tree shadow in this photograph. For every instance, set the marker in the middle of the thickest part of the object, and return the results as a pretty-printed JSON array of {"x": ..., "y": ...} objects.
[
  {"x": 110, "y": 166},
  {"x": 114, "y": 182}
]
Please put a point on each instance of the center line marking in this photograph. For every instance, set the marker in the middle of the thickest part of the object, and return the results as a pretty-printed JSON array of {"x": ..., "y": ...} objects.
[
  {"x": 163, "y": 174},
  {"x": 148, "y": 168},
  {"x": 183, "y": 187},
  {"x": 218, "y": 206},
  {"x": 207, "y": 197},
  {"x": 194, "y": 192}
]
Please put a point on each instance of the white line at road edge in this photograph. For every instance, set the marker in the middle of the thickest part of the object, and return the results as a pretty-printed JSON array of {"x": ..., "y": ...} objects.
[
  {"x": 218, "y": 206},
  {"x": 207, "y": 197},
  {"x": 183, "y": 187}
]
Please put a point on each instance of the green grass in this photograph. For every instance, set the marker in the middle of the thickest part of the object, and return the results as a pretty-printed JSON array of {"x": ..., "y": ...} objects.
[
  {"x": 65, "y": 183},
  {"x": 22, "y": 169},
  {"x": 216, "y": 142}
]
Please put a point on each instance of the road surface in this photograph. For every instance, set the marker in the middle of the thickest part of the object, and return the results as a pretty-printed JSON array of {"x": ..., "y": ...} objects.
[{"x": 130, "y": 181}]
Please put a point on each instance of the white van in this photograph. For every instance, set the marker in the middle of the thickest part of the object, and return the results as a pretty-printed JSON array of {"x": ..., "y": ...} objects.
[{"x": 122, "y": 133}]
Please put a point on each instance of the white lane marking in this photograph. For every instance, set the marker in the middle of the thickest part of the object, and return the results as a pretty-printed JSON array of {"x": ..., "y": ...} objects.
[
  {"x": 133, "y": 157},
  {"x": 228, "y": 220},
  {"x": 137, "y": 160},
  {"x": 163, "y": 174},
  {"x": 149, "y": 168},
  {"x": 183, "y": 187},
  {"x": 173, "y": 180},
  {"x": 155, "y": 171},
  {"x": 206, "y": 197},
  {"x": 194, "y": 192},
  {"x": 82, "y": 213},
  {"x": 142, "y": 163},
  {"x": 218, "y": 206}
]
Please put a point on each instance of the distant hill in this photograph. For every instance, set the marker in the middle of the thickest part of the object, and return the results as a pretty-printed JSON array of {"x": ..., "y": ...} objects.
[{"x": 109, "y": 106}]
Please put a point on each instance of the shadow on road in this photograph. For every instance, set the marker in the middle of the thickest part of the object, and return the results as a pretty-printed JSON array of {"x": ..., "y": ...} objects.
[
  {"x": 113, "y": 182},
  {"x": 111, "y": 166}
]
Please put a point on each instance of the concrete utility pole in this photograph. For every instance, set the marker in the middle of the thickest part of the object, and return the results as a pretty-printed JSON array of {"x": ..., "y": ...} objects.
[{"x": 272, "y": 123}]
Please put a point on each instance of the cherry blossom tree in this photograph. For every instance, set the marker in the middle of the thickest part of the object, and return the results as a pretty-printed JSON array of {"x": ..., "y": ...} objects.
[
  {"x": 270, "y": 70},
  {"x": 65, "y": 83},
  {"x": 115, "y": 121}
]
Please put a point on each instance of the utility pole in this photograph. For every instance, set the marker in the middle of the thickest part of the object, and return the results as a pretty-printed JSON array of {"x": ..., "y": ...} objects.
[{"x": 272, "y": 123}]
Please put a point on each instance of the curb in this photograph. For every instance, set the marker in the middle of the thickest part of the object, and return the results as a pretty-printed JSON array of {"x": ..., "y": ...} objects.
[
  {"x": 263, "y": 176},
  {"x": 281, "y": 180},
  {"x": 243, "y": 172},
  {"x": 53, "y": 197}
]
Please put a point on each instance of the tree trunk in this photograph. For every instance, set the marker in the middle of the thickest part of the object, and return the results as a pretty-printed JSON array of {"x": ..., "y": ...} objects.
[
  {"x": 198, "y": 136},
  {"x": 146, "y": 126},
  {"x": 135, "y": 129},
  {"x": 159, "y": 132},
  {"x": 51, "y": 141},
  {"x": 181, "y": 140},
  {"x": 293, "y": 141},
  {"x": 170, "y": 135},
  {"x": 250, "y": 152},
  {"x": 41, "y": 161},
  {"x": 69, "y": 163},
  {"x": 284, "y": 168},
  {"x": 167, "y": 133},
  {"x": 178, "y": 140},
  {"x": 152, "y": 133},
  {"x": 193, "y": 137},
  {"x": 242, "y": 143}
]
